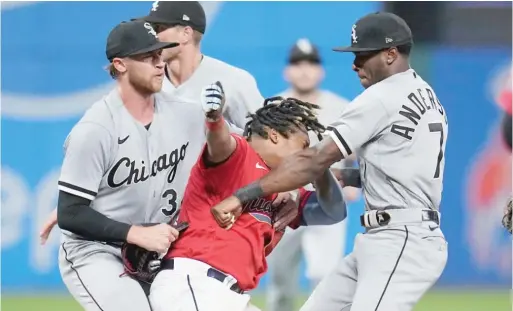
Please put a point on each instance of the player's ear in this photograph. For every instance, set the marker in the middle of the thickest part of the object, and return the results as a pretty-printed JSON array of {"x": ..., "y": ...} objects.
[
  {"x": 273, "y": 136},
  {"x": 391, "y": 55},
  {"x": 188, "y": 34},
  {"x": 119, "y": 64}
]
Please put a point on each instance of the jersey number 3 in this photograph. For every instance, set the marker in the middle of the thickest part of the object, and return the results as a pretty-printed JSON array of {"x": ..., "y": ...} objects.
[
  {"x": 437, "y": 127},
  {"x": 170, "y": 208}
]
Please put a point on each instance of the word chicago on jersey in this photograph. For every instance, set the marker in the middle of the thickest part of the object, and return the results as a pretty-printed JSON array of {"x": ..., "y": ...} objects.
[{"x": 137, "y": 174}]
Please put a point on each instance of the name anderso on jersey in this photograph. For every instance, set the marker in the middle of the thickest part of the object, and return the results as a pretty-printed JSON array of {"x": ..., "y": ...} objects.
[{"x": 118, "y": 177}]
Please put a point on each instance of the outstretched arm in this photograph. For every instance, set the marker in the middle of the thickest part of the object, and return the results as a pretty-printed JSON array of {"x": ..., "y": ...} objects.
[
  {"x": 295, "y": 171},
  {"x": 220, "y": 144},
  {"x": 361, "y": 121}
]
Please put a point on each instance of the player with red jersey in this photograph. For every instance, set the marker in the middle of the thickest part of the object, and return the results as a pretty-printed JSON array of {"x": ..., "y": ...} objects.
[{"x": 209, "y": 267}]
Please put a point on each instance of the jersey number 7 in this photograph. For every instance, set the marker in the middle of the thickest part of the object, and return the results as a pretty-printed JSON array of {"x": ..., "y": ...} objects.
[{"x": 437, "y": 127}]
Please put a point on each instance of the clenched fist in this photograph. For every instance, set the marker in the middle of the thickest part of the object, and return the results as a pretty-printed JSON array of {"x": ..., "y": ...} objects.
[
  {"x": 212, "y": 100},
  {"x": 226, "y": 212},
  {"x": 156, "y": 238}
]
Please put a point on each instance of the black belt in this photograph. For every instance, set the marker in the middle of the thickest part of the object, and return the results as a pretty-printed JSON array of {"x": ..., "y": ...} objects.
[
  {"x": 432, "y": 216},
  {"x": 169, "y": 264},
  {"x": 429, "y": 215}
]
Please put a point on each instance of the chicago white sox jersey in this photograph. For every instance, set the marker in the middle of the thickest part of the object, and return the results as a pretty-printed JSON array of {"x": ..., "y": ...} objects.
[
  {"x": 133, "y": 174},
  {"x": 240, "y": 87},
  {"x": 398, "y": 128}
]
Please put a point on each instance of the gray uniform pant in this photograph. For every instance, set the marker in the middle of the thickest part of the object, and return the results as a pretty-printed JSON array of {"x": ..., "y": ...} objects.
[
  {"x": 390, "y": 269},
  {"x": 91, "y": 272}
]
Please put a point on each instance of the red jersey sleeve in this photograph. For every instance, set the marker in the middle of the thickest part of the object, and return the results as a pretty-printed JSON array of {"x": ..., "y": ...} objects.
[
  {"x": 220, "y": 178},
  {"x": 236, "y": 158}
]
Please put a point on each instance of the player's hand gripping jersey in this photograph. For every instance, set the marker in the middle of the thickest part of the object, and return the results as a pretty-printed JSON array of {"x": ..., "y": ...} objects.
[{"x": 241, "y": 250}]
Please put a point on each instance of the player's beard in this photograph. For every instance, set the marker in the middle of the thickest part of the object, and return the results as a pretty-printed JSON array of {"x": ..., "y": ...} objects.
[{"x": 145, "y": 85}]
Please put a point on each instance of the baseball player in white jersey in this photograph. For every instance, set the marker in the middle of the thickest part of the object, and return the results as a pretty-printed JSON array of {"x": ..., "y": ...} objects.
[
  {"x": 305, "y": 72},
  {"x": 188, "y": 71},
  {"x": 398, "y": 128},
  {"x": 125, "y": 166}
]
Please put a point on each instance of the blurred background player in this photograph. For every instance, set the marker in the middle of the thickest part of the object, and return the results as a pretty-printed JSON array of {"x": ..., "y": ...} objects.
[
  {"x": 489, "y": 184},
  {"x": 305, "y": 73}
]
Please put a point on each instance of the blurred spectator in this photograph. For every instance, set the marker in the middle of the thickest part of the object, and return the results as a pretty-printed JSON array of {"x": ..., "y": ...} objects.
[
  {"x": 489, "y": 186},
  {"x": 304, "y": 72}
]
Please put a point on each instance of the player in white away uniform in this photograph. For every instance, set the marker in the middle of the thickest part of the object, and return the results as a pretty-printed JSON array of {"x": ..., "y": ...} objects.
[
  {"x": 125, "y": 162},
  {"x": 398, "y": 128},
  {"x": 305, "y": 72},
  {"x": 191, "y": 71},
  {"x": 188, "y": 71}
]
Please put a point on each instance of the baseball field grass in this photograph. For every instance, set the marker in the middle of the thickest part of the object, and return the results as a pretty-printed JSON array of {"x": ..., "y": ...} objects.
[{"x": 439, "y": 300}]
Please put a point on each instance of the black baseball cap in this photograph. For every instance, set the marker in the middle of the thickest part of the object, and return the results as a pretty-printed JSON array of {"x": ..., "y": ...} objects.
[
  {"x": 378, "y": 31},
  {"x": 133, "y": 38},
  {"x": 304, "y": 50},
  {"x": 185, "y": 13}
]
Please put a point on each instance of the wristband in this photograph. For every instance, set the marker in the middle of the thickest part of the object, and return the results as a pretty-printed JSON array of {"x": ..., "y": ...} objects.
[
  {"x": 250, "y": 192},
  {"x": 215, "y": 125}
]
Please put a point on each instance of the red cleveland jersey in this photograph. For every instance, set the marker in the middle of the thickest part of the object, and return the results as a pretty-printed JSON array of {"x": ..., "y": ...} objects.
[{"x": 241, "y": 250}]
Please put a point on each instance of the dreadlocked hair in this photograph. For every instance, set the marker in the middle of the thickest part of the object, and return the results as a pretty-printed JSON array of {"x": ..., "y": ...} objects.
[{"x": 284, "y": 116}]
